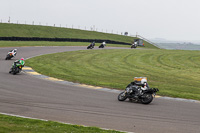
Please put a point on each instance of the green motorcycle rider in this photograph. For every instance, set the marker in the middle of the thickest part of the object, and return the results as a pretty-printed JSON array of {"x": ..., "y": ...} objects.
[{"x": 18, "y": 63}]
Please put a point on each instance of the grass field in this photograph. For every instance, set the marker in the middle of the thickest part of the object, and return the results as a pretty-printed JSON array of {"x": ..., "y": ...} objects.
[
  {"x": 20, "y": 30},
  {"x": 12, "y": 124},
  {"x": 175, "y": 72}
]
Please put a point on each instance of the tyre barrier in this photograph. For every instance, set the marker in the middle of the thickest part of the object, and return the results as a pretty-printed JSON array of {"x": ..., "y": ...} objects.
[{"x": 60, "y": 40}]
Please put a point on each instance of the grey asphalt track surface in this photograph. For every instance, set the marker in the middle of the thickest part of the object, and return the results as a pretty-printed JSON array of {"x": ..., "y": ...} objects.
[{"x": 29, "y": 96}]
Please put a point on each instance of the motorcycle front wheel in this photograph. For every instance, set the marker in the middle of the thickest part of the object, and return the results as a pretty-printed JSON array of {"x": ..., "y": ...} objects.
[
  {"x": 147, "y": 98},
  {"x": 15, "y": 71},
  {"x": 122, "y": 96}
]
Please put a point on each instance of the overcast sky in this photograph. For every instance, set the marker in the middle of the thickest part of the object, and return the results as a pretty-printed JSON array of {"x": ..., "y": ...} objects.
[{"x": 169, "y": 19}]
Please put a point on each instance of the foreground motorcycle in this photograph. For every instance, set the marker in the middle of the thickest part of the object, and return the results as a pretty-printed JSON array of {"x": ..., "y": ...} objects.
[
  {"x": 10, "y": 55},
  {"x": 138, "y": 91},
  {"x": 16, "y": 68}
]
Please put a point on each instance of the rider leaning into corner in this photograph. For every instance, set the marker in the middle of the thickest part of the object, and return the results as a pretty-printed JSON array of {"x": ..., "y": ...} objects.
[
  {"x": 13, "y": 51},
  {"x": 21, "y": 61},
  {"x": 104, "y": 43},
  {"x": 17, "y": 63},
  {"x": 144, "y": 86},
  {"x": 93, "y": 44}
]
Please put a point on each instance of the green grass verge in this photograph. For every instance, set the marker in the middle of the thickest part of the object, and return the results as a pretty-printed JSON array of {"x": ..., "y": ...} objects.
[
  {"x": 20, "y": 30},
  {"x": 12, "y": 124},
  {"x": 176, "y": 73}
]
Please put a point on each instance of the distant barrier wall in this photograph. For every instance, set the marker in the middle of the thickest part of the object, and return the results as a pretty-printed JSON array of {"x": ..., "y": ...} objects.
[{"x": 60, "y": 40}]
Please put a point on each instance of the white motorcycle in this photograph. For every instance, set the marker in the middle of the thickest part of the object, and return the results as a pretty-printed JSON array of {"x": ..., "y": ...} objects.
[{"x": 11, "y": 54}]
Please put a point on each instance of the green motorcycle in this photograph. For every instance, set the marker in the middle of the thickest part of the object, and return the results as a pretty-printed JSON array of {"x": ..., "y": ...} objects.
[{"x": 16, "y": 68}]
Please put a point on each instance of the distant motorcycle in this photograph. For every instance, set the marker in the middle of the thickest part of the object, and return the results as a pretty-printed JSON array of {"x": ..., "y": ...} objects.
[
  {"x": 102, "y": 45},
  {"x": 10, "y": 55},
  {"x": 16, "y": 68},
  {"x": 133, "y": 46},
  {"x": 91, "y": 46},
  {"x": 138, "y": 92}
]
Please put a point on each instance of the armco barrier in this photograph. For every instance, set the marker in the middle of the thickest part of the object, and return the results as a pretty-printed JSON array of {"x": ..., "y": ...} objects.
[{"x": 59, "y": 40}]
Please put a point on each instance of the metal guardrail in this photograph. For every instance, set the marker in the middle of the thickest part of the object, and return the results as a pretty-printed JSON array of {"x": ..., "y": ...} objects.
[{"x": 138, "y": 36}]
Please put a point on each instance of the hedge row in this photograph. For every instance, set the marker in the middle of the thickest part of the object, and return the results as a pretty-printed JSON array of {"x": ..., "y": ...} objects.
[{"x": 60, "y": 40}]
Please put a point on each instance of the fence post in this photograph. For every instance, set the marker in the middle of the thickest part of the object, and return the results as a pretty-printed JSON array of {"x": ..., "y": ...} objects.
[{"x": 9, "y": 20}]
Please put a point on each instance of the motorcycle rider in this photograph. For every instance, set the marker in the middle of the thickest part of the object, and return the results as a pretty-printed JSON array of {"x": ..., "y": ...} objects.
[
  {"x": 143, "y": 85},
  {"x": 14, "y": 51},
  {"x": 134, "y": 45},
  {"x": 104, "y": 43},
  {"x": 138, "y": 91},
  {"x": 93, "y": 44},
  {"x": 21, "y": 62}
]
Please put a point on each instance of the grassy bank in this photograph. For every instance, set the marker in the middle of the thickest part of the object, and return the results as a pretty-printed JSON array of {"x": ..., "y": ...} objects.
[
  {"x": 20, "y": 30},
  {"x": 12, "y": 124},
  {"x": 176, "y": 73}
]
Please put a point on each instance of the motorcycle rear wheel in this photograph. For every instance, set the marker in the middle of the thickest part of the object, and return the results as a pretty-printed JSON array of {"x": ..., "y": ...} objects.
[
  {"x": 147, "y": 98},
  {"x": 122, "y": 96}
]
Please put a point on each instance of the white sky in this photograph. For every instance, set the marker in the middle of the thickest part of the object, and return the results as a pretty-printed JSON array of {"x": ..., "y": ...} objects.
[{"x": 169, "y": 19}]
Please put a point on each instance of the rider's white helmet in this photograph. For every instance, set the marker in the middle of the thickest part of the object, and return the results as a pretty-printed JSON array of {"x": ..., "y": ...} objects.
[{"x": 143, "y": 81}]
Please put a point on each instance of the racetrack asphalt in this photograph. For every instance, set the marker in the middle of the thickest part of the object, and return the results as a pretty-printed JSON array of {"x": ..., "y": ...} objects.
[{"x": 30, "y": 96}]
